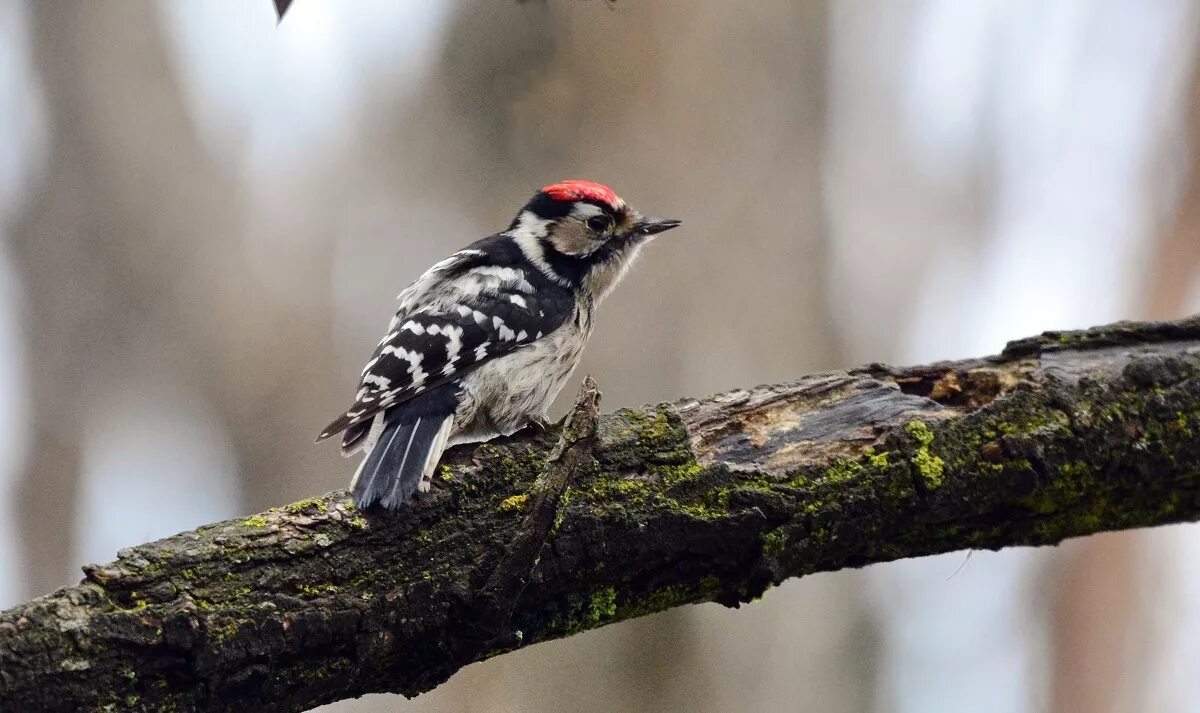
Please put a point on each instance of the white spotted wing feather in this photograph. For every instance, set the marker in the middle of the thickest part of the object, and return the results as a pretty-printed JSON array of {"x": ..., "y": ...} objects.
[{"x": 463, "y": 312}]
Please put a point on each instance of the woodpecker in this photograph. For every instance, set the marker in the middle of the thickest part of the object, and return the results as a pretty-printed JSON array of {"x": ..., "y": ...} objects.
[{"x": 483, "y": 341}]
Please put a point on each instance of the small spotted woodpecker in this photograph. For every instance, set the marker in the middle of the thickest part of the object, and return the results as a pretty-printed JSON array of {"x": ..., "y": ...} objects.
[{"x": 485, "y": 339}]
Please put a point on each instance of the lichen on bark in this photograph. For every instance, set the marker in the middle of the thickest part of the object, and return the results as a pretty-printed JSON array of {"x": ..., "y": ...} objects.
[{"x": 711, "y": 499}]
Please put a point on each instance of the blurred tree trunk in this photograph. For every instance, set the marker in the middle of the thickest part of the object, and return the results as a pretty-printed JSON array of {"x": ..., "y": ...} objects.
[
  {"x": 1175, "y": 261},
  {"x": 1098, "y": 610},
  {"x": 134, "y": 265},
  {"x": 97, "y": 210}
]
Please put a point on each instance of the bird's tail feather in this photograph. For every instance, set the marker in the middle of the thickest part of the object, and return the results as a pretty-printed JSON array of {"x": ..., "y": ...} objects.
[{"x": 401, "y": 461}]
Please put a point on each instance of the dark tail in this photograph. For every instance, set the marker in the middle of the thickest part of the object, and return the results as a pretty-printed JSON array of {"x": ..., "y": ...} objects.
[{"x": 402, "y": 460}]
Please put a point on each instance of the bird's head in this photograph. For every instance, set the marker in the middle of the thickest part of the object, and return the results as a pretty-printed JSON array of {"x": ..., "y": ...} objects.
[{"x": 582, "y": 234}]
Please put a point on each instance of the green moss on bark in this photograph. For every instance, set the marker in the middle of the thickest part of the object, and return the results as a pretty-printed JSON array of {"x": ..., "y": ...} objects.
[{"x": 317, "y": 601}]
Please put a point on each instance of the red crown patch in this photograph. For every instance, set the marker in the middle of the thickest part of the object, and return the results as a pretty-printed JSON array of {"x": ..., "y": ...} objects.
[{"x": 576, "y": 190}]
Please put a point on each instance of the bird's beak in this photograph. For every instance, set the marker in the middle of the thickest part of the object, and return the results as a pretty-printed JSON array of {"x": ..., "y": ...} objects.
[{"x": 652, "y": 226}]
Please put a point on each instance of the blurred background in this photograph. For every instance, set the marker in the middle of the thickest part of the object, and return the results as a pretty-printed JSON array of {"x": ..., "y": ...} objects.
[{"x": 205, "y": 217}]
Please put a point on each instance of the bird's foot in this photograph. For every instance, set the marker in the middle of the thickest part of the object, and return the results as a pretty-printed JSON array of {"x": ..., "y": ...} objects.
[{"x": 535, "y": 426}]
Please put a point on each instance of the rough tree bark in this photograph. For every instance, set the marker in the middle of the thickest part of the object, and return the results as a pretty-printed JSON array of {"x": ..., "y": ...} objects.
[{"x": 635, "y": 512}]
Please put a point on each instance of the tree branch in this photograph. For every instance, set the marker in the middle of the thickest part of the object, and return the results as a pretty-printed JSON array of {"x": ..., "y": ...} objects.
[{"x": 702, "y": 500}]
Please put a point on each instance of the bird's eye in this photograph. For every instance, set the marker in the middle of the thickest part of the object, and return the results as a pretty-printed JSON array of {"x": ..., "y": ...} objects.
[{"x": 599, "y": 223}]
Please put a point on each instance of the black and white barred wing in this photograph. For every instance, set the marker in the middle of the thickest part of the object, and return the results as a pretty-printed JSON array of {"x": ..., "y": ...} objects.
[{"x": 461, "y": 313}]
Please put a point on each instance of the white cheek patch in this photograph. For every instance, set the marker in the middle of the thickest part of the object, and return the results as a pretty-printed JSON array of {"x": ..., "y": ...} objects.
[
  {"x": 528, "y": 234},
  {"x": 529, "y": 225}
]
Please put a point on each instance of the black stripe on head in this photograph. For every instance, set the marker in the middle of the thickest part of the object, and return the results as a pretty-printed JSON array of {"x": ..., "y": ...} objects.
[
  {"x": 549, "y": 208},
  {"x": 543, "y": 206}
]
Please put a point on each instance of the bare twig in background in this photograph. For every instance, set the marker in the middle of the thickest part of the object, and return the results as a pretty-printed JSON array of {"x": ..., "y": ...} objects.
[{"x": 1062, "y": 435}]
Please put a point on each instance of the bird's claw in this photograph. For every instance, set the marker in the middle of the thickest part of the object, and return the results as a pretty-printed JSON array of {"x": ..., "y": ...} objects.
[{"x": 536, "y": 426}]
